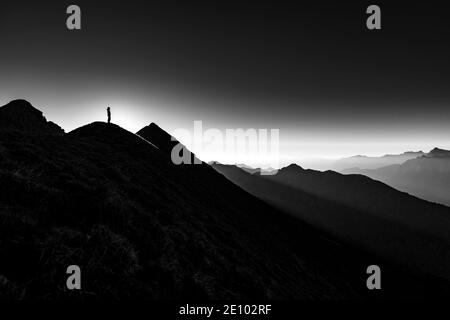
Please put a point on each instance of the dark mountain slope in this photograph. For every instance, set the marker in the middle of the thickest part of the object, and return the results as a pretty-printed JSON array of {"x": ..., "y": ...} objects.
[
  {"x": 21, "y": 115},
  {"x": 372, "y": 196},
  {"x": 141, "y": 227},
  {"x": 366, "y": 213},
  {"x": 138, "y": 226},
  {"x": 438, "y": 153},
  {"x": 166, "y": 142},
  {"x": 160, "y": 138},
  {"x": 393, "y": 241}
]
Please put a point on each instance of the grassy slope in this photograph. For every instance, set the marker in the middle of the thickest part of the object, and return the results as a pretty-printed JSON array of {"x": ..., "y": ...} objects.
[{"x": 138, "y": 226}]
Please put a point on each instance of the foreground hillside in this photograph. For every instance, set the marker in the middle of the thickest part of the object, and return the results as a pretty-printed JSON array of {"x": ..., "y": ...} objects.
[{"x": 140, "y": 227}]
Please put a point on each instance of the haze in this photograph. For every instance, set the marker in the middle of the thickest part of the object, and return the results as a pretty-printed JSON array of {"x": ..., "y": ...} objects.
[{"x": 331, "y": 86}]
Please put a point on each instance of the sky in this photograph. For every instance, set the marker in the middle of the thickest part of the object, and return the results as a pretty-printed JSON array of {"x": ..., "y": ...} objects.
[{"x": 313, "y": 70}]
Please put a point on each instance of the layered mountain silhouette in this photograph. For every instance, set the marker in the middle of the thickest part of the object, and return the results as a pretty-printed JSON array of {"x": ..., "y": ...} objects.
[
  {"x": 139, "y": 226},
  {"x": 247, "y": 168},
  {"x": 412, "y": 232},
  {"x": 365, "y": 162},
  {"x": 427, "y": 177}
]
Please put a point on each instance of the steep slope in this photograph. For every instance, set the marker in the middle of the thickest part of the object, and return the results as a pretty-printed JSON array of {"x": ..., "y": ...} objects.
[
  {"x": 138, "y": 226},
  {"x": 367, "y": 213},
  {"x": 366, "y": 194},
  {"x": 438, "y": 153},
  {"x": 21, "y": 115},
  {"x": 167, "y": 143},
  {"x": 141, "y": 227},
  {"x": 427, "y": 177}
]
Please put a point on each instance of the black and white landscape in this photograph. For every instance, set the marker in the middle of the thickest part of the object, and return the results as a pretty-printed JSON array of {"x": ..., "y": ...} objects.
[
  {"x": 88, "y": 137},
  {"x": 142, "y": 227}
]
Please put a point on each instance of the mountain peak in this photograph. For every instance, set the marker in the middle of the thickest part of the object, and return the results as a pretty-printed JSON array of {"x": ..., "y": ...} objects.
[
  {"x": 292, "y": 167},
  {"x": 158, "y": 137},
  {"x": 164, "y": 141},
  {"x": 96, "y": 128},
  {"x": 21, "y": 115},
  {"x": 154, "y": 126},
  {"x": 21, "y": 104},
  {"x": 436, "y": 152},
  {"x": 19, "y": 110}
]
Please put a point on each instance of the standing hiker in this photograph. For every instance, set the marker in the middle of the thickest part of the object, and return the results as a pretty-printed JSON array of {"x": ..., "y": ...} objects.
[{"x": 108, "y": 111}]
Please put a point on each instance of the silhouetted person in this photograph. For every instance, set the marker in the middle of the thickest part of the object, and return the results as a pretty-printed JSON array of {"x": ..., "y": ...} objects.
[{"x": 108, "y": 111}]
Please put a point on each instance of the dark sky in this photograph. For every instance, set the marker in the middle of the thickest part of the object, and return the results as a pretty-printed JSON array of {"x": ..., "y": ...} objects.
[{"x": 311, "y": 69}]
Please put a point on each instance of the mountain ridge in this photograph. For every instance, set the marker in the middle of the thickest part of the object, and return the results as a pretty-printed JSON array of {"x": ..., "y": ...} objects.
[
  {"x": 427, "y": 177},
  {"x": 139, "y": 226},
  {"x": 21, "y": 115},
  {"x": 359, "y": 208}
]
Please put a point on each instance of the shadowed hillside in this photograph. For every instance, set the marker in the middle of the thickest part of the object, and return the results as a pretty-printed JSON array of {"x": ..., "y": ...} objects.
[
  {"x": 166, "y": 143},
  {"x": 403, "y": 229},
  {"x": 141, "y": 227}
]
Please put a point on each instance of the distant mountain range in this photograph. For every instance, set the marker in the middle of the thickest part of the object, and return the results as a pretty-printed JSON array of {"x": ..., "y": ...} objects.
[
  {"x": 358, "y": 161},
  {"x": 357, "y": 209},
  {"x": 139, "y": 226},
  {"x": 427, "y": 176},
  {"x": 365, "y": 162},
  {"x": 113, "y": 203}
]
